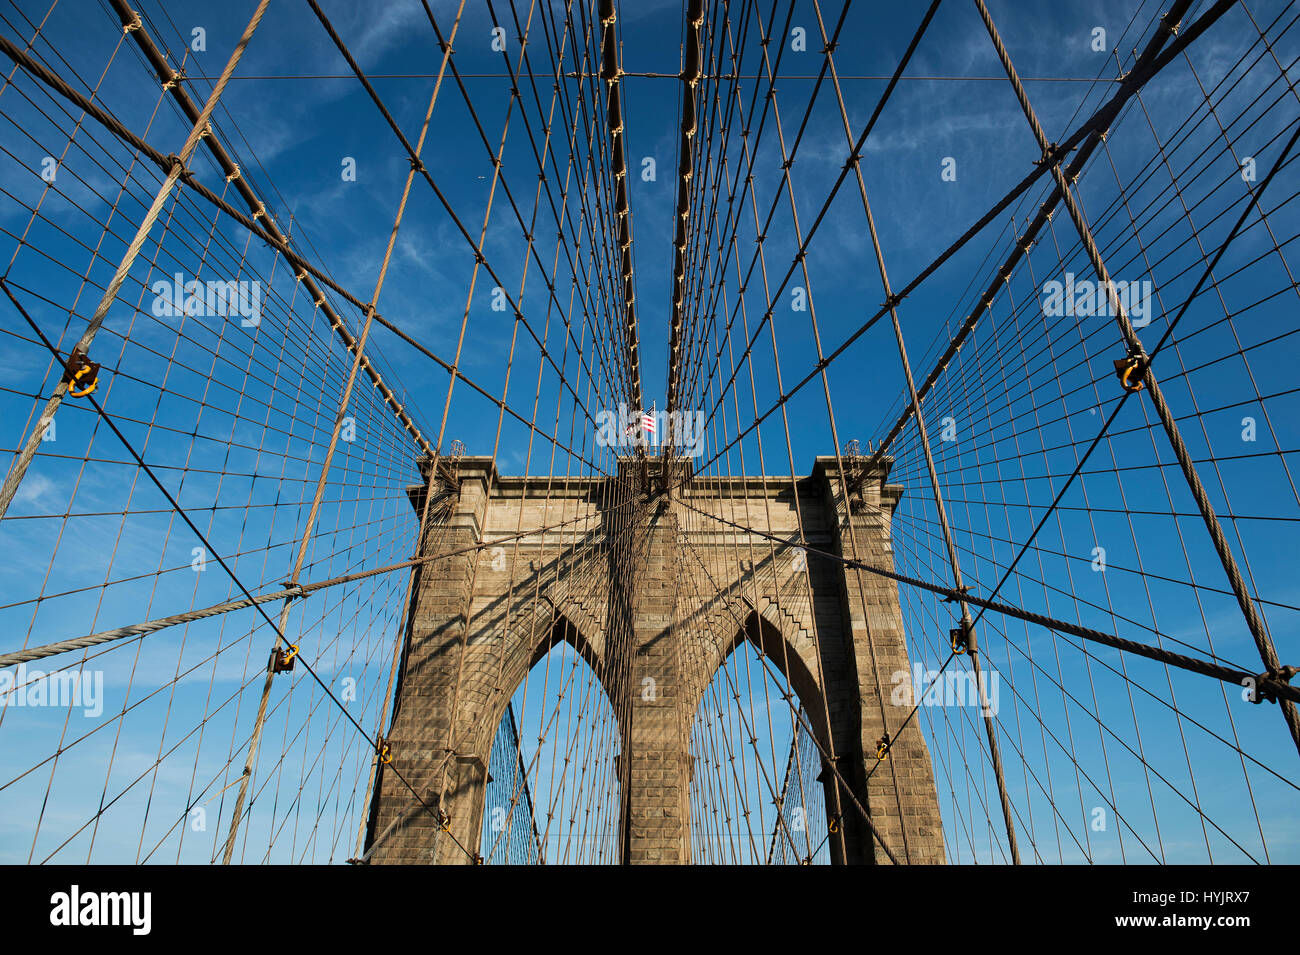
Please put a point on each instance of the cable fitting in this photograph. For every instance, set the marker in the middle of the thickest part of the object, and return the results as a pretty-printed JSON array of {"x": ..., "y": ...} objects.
[
  {"x": 958, "y": 593},
  {"x": 959, "y": 639},
  {"x": 174, "y": 165},
  {"x": 282, "y": 660},
  {"x": 81, "y": 374},
  {"x": 1130, "y": 371},
  {"x": 1266, "y": 683}
]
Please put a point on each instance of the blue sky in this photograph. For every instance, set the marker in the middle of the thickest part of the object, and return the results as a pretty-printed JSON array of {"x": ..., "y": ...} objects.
[{"x": 1026, "y": 396}]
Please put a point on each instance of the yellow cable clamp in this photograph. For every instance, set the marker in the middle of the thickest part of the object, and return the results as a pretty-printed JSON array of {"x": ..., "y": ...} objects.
[
  {"x": 282, "y": 660},
  {"x": 1130, "y": 371},
  {"x": 1126, "y": 378},
  {"x": 958, "y": 640},
  {"x": 89, "y": 389},
  {"x": 77, "y": 368}
]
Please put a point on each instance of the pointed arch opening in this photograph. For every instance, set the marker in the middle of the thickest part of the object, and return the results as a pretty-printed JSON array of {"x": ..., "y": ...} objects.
[
  {"x": 757, "y": 739},
  {"x": 553, "y": 791}
]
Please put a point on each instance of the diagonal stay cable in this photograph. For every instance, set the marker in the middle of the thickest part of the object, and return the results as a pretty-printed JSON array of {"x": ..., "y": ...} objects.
[
  {"x": 1269, "y": 684},
  {"x": 215, "y": 554},
  {"x": 1137, "y": 358},
  {"x": 275, "y": 241},
  {"x": 1099, "y": 121},
  {"x": 1119, "y": 405}
]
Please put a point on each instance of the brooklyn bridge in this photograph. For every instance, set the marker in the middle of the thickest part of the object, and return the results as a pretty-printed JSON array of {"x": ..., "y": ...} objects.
[{"x": 948, "y": 519}]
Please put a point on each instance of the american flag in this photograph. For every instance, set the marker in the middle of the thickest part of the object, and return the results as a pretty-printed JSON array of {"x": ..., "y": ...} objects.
[{"x": 647, "y": 423}]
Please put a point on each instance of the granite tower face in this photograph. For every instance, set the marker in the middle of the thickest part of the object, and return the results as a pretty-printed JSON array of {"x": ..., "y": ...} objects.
[{"x": 654, "y": 581}]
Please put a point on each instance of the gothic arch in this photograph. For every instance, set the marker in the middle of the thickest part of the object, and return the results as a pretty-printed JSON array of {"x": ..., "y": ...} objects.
[
  {"x": 523, "y": 654},
  {"x": 526, "y": 653},
  {"x": 771, "y": 644}
]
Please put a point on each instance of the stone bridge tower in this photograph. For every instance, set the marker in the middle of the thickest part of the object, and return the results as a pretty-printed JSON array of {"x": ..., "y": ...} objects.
[{"x": 652, "y": 591}]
